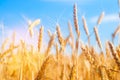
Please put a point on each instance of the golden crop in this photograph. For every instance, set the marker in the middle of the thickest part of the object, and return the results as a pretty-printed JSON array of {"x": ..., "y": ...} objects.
[{"x": 24, "y": 62}]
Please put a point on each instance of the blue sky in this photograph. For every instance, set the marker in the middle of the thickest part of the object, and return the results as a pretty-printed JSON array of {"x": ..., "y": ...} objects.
[{"x": 51, "y": 12}]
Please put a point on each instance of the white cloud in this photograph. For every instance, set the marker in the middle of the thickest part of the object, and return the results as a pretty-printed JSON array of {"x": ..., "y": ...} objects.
[{"x": 107, "y": 18}]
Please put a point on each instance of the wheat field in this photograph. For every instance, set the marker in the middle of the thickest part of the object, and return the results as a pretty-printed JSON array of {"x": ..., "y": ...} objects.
[{"x": 24, "y": 62}]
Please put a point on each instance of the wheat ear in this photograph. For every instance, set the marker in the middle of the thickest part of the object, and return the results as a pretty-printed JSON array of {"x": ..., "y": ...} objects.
[
  {"x": 40, "y": 38},
  {"x": 71, "y": 35},
  {"x": 97, "y": 37},
  {"x": 76, "y": 20},
  {"x": 114, "y": 54},
  {"x": 73, "y": 74},
  {"x": 43, "y": 67},
  {"x": 51, "y": 42},
  {"x": 86, "y": 28},
  {"x": 100, "y": 18},
  {"x": 115, "y": 32},
  {"x": 60, "y": 38}
]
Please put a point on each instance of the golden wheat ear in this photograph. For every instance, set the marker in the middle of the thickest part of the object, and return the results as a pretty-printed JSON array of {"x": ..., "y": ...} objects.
[
  {"x": 71, "y": 40},
  {"x": 60, "y": 38},
  {"x": 40, "y": 38},
  {"x": 100, "y": 18},
  {"x": 97, "y": 38},
  {"x": 50, "y": 43},
  {"x": 86, "y": 28},
  {"x": 117, "y": 30},
  {"x": 76, "y": 20},
  {"x": 114, "y": 54},
  {"x": 32, "y": 25}
]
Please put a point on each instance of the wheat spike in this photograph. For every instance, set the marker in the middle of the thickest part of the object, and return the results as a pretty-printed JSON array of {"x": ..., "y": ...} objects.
[
  {"x": 41, "y": 72},
  {"x": 97, "y": 37},
  {"x": 32, "y": 25},
  {"x": 85, "y": 25},
  {"x": 114, "y": 54},
  {"x": 76, "y": 20},
  {"x": 103, "y": 73},
  {"x": 73, "y": 74},
  {"x": 50, "y": 43},
  {"x": 40, "y": 38},
  {"x": 115, "y": 32},
  {"x": 60, "y": 38},
  {"x": 70, "y": 30},
  {"x": 100, "y": 18},
  {"x": 71, "y": 35},
  {"x": 86, "y": 28}
]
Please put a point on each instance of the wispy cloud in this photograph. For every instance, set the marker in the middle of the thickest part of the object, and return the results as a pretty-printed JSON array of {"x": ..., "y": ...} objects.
[{"x": 107, "y": 18}]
